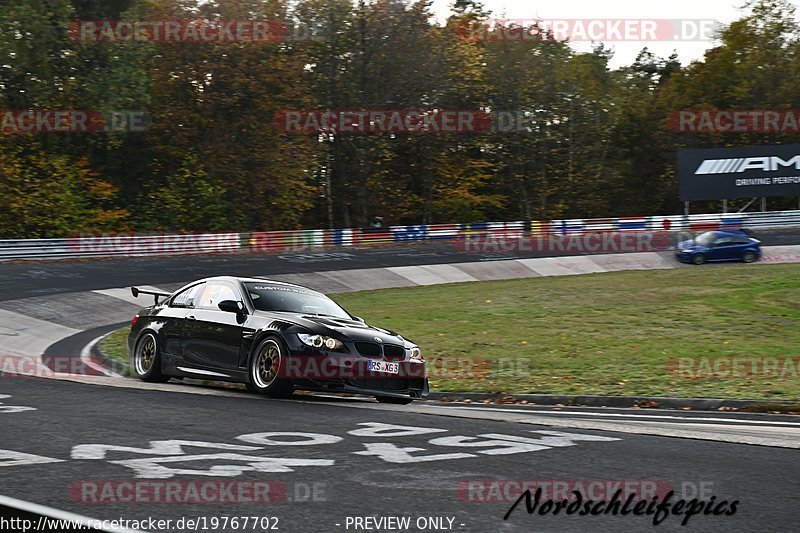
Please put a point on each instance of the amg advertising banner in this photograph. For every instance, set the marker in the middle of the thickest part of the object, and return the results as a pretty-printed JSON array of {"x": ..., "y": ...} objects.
[{"x": 741, "y": 172}]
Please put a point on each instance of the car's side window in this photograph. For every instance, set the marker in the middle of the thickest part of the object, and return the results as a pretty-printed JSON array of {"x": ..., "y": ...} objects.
[
  {"x": 214, "y": 293},
  {"x": 725, "y": 241},
  {"x": 186, "y": 298}
]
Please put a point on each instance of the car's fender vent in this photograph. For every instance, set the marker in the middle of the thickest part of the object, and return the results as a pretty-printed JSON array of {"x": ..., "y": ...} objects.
[{"x": 277, "y": 325}]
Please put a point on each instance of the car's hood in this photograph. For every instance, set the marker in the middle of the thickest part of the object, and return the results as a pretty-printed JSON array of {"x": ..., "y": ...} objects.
[
  {"x": 338, "y": 327},
  {"x": 688, "y": 245}
]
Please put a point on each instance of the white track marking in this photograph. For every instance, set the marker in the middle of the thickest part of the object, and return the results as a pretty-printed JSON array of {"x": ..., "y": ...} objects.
[
  {"x": 624, "y": 415},
  {"x": 12, "y": 458},
  {"x": 86, "y": 357}
]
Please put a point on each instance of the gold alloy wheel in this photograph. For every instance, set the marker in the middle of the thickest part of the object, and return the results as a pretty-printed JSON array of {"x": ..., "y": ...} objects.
[
  {"x": 146, "y": 355},
  {"x": 265, "y": 370}
]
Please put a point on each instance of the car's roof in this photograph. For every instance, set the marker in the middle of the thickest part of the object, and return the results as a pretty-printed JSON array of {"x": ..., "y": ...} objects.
[
  {"x": 735, "y": 232},
  {"x": 256, "y": 280}
]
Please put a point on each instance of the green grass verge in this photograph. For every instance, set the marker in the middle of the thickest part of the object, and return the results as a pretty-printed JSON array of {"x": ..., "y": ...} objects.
[
  {"x": 608, "y": 334},
  {"x": 115, "y": 345}
]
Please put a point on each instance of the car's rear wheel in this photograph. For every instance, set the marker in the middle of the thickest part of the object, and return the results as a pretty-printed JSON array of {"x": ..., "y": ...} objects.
[
  {"x": 394, "y": 400},
  {"x": 699, "y": 259},
  {"x": 147, "y": 359},
  {"x": 749, "y": 257},
  {"x": 266, "y": 366}
]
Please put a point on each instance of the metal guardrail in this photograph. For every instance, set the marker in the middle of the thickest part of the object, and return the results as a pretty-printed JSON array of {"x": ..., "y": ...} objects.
[{"x": 147, "y": 244}]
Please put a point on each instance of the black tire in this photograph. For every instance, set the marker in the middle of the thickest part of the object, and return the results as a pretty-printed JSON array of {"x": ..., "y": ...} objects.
[
  {"x": 146, "y": 359},
  {"x": 749, "y": 257},
  {"x": 264, "y": 370},
  {"x": 394, "y": 400},
  {"x": 699, "y": 259}
]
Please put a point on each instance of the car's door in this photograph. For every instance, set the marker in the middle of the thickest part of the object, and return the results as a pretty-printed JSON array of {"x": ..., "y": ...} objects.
[
  {"x": 213, "y": 337},
  {"x": 740, "y": 244},
  {"x": 173, "y": 328},
  {"x": 722, "y": 249}
]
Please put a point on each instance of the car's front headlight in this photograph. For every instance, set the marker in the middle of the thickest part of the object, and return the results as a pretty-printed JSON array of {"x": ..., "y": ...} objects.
[
  {"x": 416, "y": 355},
  {"x": 318, "y": 341}
]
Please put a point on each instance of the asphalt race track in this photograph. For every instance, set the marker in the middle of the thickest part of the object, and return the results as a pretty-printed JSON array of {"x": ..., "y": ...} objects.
[
  {"x": 316, "y": 463},
  {"x": 425, "y": 479}
]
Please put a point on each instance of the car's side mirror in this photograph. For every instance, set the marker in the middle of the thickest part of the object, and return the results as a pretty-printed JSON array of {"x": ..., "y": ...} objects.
[
  {"x": 231, "y": 306},
  {"x": 359, "y": 319}
]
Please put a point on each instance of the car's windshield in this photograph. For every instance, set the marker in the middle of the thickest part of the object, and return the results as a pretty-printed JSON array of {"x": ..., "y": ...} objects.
[
  {"x": 706, "y": 238},
  {"x": 267, "y": 297}
]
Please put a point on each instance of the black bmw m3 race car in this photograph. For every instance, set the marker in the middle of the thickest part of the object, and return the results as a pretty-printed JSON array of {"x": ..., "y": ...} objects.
[{"x": 274, "y": 337}]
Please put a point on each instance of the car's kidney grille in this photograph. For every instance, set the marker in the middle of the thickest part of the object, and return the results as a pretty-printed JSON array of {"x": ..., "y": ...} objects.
[
  {"x": 369, "y": 349},
  {"x": 394, "y": 352}
]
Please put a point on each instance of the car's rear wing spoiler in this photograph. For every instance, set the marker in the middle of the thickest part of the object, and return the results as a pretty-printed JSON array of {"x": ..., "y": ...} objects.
[{"x": 136, "y": 291}]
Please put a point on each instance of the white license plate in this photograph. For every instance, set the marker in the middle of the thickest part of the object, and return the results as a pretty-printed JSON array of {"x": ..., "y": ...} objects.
[{"x": 384, "y": 367}]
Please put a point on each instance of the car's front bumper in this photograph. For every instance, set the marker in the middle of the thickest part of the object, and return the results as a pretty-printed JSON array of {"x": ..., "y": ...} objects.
[
  {"x": 320, "y": 369},
  {"x": 351, "y": 373},
  {"x": 417, "y": 389}
]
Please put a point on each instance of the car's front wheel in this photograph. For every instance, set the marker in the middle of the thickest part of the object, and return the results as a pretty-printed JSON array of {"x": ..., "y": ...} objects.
[
  {"x": 749, "y": 257},
  {"x": 394, "y": 400},
  {"x": 147, "y": 359},
  {"x": 266, "y": 366},
  {"x": 699, "y": 259}
]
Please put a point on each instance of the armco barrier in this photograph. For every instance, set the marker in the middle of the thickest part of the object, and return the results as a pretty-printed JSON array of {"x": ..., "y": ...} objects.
[{"x": 142, "y": 244}]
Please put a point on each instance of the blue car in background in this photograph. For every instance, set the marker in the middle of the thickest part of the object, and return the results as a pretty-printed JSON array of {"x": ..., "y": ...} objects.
[{"x": 719, "y": 246}]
